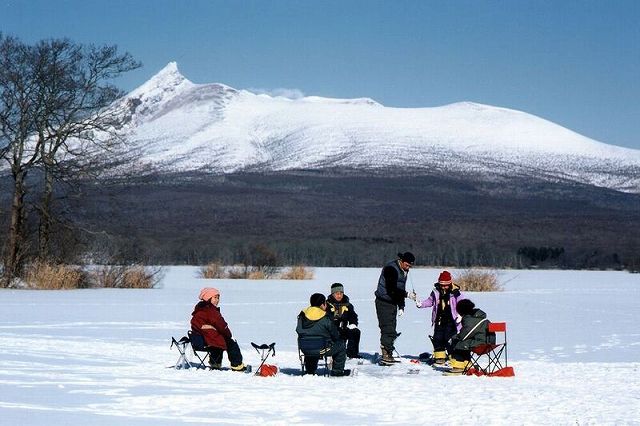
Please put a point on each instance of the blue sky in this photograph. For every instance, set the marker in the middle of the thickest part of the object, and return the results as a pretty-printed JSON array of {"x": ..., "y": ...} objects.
[{"x": 576, "y": 63}]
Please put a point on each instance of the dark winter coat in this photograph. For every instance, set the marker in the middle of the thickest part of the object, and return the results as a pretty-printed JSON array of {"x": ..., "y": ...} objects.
[
  {"x": 474, "y": 331},
  {"x": 342, "y": 313},
  {"x": 207, "y": 321},
  {"x": 391, "y": 284},
  {"x": 314, "y": 322}
]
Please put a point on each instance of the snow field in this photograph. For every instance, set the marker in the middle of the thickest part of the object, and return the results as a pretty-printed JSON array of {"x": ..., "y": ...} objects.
[{"x": 100, "y": 357}]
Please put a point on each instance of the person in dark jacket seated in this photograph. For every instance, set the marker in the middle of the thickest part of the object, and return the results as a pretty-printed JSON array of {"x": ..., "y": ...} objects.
[
  {"x": 207, "y": 321},
  {"x": 314, "y": 322},
  {"x": 474, "y": 332},
  {"x": 345, "y": 317}
]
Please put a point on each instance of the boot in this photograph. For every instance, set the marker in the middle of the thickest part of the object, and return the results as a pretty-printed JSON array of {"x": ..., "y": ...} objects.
[
  {"x": 343, "y": 373},
  {"x": 387, "y": 356},
  {"x": 440, "y": 357},
  {"x": 458, "y": 367},
  {"x": 240, "y": 367}
]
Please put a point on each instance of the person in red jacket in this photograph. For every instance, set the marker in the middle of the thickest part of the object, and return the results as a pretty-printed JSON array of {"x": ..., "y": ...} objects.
[{"x": 207, "y": 321}]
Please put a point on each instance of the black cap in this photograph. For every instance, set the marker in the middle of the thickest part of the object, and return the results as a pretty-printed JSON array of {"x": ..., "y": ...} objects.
[
  {"x": 407, "y": 256},
  {"x": 317, "y": 299},
  {"x": 465, "y": 307}
]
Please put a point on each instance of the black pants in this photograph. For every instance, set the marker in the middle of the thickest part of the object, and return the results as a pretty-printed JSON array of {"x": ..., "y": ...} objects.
[
  {"x": 233, "y": 353},
  {"x": 442, "y": 334},
  {"x": 337, "y": 353},
  {"x": 461, "y": 355},
  {"x": 387, "y": 319},
  {"x": 352, "y": 337}
]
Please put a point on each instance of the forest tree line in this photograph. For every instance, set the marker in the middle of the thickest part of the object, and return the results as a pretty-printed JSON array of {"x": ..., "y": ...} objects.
[{"x": 319, "y": 219}]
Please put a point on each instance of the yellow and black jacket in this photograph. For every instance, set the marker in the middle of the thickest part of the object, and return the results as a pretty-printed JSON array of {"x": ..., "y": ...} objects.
[{"x": 342, "y": 313}]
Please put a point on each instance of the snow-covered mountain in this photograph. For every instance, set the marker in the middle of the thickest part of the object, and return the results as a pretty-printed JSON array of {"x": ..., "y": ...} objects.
[{"x": 177, "y": 125}]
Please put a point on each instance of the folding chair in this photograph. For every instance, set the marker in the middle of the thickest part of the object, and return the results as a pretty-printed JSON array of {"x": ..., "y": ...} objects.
[
  {"x": 490, "y": 358},
  {"x": 182, "y": 362},
  {"x": 265, "y": 351},
  {"x": 198, "y": 345},
  {"x": 310, "y": 350}
]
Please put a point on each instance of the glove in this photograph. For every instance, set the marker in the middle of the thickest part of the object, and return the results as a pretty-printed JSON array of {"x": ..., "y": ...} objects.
[
  {"x": 412, "y": 296},
  {"x": 418, "y": 303},
  {"x": 400, "y": 312},
  {"x": 352, "y": 326}
]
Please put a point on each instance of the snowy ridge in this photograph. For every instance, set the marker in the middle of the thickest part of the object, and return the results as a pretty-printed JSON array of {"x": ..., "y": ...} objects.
[{"x": 182, "y": 126}]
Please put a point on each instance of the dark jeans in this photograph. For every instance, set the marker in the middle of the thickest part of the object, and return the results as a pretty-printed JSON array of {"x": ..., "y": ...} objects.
[
  {"x": 233, "y": 353},
  {"x": 387, "y": 319},
  {"x": 442, "y": 334}
]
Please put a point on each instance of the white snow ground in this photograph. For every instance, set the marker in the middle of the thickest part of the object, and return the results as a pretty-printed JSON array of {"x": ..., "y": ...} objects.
[{"x": 100, "y": 357}]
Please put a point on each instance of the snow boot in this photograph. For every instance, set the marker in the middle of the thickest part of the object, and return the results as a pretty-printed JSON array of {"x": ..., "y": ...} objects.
[
  {"x": 241, "y": 367},
  {"x": 387, "y": 357},
  {"x": 343, "y": 373},
  {"x": 440, "y": 357},
  {"x": 458, "y": 367}
]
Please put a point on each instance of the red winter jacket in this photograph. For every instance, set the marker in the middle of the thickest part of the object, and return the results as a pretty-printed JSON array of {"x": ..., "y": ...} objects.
[{"x": 207, "y": 321}]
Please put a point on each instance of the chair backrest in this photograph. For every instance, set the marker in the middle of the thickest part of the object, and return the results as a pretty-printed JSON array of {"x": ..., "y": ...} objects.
[
  {"x": 197, "y": 341},
  {"x": 493, "y": 353},
  {"x": 313, "y": 346},
  {"x": 498, "y": 327}
]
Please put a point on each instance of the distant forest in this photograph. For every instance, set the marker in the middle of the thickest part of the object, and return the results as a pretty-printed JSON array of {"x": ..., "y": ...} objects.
[{"x": 344, "y": 218}]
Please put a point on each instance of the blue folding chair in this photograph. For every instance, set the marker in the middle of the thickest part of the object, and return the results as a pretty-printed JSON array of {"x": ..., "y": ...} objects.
[{"x": 310, "y": 351}]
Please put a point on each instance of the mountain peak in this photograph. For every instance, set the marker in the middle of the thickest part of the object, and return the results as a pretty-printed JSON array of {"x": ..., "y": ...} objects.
[
  {"x": 171, "y": 69},
  {"x": 185, "y": 126},
  {"x": 167, "y": 79}
]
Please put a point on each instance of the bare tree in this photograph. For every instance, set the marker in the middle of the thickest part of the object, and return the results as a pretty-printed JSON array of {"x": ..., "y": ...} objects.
[
  {"x": 19, "y": 106},
  {"x": 53, "y": 115},
  {"x": 77, "y": 127}
]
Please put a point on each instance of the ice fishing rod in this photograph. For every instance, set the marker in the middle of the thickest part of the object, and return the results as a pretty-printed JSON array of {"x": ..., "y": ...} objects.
[{"x": 411, "y": 282}]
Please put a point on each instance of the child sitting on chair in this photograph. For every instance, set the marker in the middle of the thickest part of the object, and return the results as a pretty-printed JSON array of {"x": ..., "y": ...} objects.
[
  {"x": 473, "y": 333},
  {"x": 207, "y": 321}
]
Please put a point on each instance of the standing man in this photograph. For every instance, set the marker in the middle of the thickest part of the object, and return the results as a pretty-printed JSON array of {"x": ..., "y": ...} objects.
[{"x": 390, "y": 296}]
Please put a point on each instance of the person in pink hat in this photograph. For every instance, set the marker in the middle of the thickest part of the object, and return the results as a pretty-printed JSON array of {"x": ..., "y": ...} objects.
[
  {"x": 444, "y": 316},
  {"x": 207, "y": 321}
]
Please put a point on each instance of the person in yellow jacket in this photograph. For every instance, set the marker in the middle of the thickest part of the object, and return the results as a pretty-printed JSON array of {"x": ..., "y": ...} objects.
[{"x": 314, "y": 322}]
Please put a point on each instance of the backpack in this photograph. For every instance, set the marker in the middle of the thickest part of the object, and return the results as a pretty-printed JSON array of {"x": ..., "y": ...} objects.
[{"x": 267, "y": 370}]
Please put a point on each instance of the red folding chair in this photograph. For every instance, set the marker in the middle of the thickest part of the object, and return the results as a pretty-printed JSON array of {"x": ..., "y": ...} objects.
[{"x": 490, "y": 358}]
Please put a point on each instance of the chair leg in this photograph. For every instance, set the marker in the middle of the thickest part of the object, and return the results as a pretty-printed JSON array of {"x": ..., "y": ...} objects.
[
  {"x": 202, "y": 360},
  {"x": 328, "y": 365}
]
